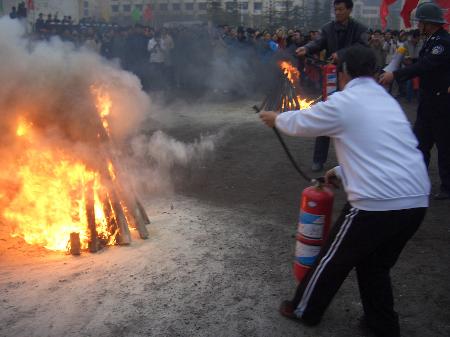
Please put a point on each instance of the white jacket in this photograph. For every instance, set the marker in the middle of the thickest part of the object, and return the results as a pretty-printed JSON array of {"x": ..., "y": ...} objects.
[{"x": 380, "y": 165}]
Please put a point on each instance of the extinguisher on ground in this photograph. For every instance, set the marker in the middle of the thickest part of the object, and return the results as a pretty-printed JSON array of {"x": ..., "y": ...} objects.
[{"x": 316, "y": 208}]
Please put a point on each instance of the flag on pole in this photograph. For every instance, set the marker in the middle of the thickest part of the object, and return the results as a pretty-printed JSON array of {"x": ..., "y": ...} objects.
[
  {"x": 148, "y": 14},
  {"x": 384, "y": 12},
  {"x": 30, "y": 5},
  {"x": 407, "y": 9},
  {"x": 136, "y": 15}
]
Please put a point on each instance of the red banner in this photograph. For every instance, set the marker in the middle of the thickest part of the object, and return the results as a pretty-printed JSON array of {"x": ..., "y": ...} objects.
[
  {"x": 408, "y": 7},
  {"x": 445, "y": 5},
  {"x": 384, "y": 12},
  {"x": 30, "y": 4},
  {"x": 148, "y": 13}
]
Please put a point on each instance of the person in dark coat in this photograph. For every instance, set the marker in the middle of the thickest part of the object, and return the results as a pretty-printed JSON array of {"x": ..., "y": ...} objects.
[
  {"x": 13, "y": 13},
  {"x": 334, "y": 37},
  {"x": 39, "y": 26}
]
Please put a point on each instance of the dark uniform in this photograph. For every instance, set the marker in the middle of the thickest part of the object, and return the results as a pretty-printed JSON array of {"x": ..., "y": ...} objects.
[{"x": 432, "y": 125}]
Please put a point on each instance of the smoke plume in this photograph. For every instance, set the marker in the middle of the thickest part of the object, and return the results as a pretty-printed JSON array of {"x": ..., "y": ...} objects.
[{"x": 52, "y": 86}]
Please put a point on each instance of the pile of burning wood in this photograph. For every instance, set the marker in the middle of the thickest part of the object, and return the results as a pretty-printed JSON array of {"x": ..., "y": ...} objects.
[
  {"x": 63, "y": 201},
  {"x": 285, "y": 95}
]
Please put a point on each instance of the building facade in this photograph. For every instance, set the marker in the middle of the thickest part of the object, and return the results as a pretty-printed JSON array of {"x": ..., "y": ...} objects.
[
  {"x": 59, "y": 7},
  {"x": 257, "y": 13},
  {"x": 245, "y": 12},
  {"x": 368, "y": 12}
]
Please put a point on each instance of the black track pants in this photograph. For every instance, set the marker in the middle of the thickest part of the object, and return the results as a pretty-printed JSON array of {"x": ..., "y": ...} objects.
[
  {"x": 321, "y": 147},
  {"x": 371, "y": 242},
  {"x": 430, "y": 128}
]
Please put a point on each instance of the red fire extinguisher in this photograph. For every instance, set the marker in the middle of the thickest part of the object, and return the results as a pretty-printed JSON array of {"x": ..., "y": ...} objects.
[
  {"x": 313, "y": 227},
  {"x": 329, "y": 80}
]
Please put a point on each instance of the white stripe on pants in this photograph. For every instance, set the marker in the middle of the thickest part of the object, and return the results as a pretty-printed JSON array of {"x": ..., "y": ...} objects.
[{"x": 328, "y": 256}]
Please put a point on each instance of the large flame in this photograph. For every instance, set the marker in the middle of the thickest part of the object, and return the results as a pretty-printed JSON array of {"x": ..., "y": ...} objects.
[{"x": 49, "y": 198}]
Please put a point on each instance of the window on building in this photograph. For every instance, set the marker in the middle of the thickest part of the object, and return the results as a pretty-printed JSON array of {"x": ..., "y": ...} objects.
[
  {"x": 189, "y": 6},
  {"x": 202, "y": 6},
  {"x": 85, "y": 4},
  {"x": 244, "y": 6},
  {"x": 86, "y": 12},
  {"x": 230, "y": 5},
  {"x": 126, "y": 8},
  {"x": 370, "y": 11},
  {"x": 257, "y": 6},
  {"x": 163, "y": 7},
  {"x": 115, "y": 8},
  {"x": 176, "y": 6},
  {"x": 139, "y": 7}
]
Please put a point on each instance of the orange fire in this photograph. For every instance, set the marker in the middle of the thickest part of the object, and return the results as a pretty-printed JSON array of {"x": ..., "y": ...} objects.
[
  {"x": 291, "y": 72},
  {"x": 49, "y": 202},
  {"x": 293, "y": 75},
  {"x": 103, "y": 105},
  {"x": 304, "y": 103}
]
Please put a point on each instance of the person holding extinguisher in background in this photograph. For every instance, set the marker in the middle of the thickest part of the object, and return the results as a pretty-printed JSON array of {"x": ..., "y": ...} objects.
[
  {"x": 387, "y": 187},
  {"x": 334, "y": 36}
]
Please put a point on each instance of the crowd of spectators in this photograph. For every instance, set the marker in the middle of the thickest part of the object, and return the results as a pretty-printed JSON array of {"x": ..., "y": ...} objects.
[
  {"x": 385, "y": 46},
  {"x": 184, "y": 56}
]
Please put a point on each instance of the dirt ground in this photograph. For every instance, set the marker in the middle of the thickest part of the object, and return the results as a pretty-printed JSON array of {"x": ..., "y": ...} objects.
[{"x": 219, "y": 257}]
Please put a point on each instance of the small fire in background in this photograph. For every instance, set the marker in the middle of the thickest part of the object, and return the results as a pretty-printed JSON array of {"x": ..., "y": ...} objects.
[
  {"x": 293, "y": 100},
  {"x": 56, "y": 194},
  {"x": 290, "y": 71}
]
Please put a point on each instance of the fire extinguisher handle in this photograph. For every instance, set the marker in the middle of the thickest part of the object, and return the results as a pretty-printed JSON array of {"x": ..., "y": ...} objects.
[{"x": 320, "y": 181}]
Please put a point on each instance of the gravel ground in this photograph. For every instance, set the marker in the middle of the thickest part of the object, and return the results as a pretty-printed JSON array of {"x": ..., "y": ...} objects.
[{"x": 219, "y": 257}]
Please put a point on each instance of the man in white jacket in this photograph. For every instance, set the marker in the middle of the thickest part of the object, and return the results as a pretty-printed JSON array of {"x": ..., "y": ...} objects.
[{"x": 387, "y": 185}]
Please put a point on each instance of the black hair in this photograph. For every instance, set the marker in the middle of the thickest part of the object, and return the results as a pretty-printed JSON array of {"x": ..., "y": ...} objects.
[
  {"x": 348, "y": 3},
  {"x": 357, "y": 61}
]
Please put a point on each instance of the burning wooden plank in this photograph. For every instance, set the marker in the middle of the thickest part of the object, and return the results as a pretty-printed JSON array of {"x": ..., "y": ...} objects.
[
  {"x": 67, "y": 197},
  {"x": 75, "y": 244}
]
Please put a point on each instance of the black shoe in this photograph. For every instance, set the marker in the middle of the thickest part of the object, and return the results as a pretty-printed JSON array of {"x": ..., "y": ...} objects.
[
  {"x": 316, "y": 167},
  {"x": 287, "y": 309},
  {"x": 442, "y": 195},
  {"x": 365, "y": 327}
]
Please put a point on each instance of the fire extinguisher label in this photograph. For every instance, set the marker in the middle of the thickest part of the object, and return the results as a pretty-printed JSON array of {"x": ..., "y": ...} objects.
[
  {"x": 331, "y": 83},
  {"x": 306, "y": 254},
  {"x": 311, "y": 225}
]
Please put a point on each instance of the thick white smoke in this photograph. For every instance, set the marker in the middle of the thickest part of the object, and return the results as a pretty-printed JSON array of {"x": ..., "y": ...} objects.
[
  {"x": 159, "y": 155},
  {"x": 49, "y": 83}
]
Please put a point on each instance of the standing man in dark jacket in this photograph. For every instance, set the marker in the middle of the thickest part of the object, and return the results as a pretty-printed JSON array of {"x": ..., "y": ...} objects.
[
  {"x": 334, "y": 36},
  {"x": 433, "y": 69}
]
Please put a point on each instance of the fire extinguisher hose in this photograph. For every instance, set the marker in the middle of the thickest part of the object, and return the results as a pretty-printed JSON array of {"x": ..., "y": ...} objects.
[
  {"x": 291, "y": 158},
  {"x": 288, "y": 152}
]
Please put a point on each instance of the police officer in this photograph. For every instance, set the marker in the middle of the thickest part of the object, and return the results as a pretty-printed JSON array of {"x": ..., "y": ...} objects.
[{"x": 432, "y": 125}]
